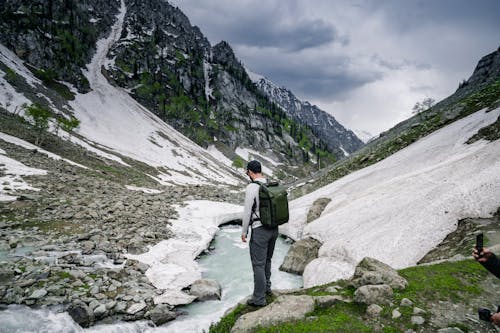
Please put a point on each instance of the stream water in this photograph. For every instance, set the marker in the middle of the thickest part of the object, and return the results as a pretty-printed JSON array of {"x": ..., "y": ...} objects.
[{"x": 228, "y": 263}]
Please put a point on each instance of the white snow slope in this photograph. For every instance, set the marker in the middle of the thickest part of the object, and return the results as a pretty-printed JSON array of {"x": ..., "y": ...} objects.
[
  {"x": 400, "y": 208},
  {"x": 111, "y": 119}
]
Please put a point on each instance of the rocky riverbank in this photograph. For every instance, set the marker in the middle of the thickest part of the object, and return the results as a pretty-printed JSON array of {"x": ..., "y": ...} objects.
[{"x": 66, "y": 244}]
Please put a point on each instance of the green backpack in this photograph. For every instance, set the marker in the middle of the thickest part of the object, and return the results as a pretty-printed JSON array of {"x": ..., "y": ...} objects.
[{"x": 273, "y": 204}]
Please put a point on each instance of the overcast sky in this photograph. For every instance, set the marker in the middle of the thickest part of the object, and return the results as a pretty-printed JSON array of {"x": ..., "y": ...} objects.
[{"x": 365, "y": 62}]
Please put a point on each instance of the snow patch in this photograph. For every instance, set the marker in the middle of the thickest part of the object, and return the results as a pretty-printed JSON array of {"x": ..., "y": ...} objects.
[
  {"x": 172, "y": 261},
  {"x": 143, "y": 189},
  {"x": 27, "y": 145},
  {"x": 400, "y": 208}
]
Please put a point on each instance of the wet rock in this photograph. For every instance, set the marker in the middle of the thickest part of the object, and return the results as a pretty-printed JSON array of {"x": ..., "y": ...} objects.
[
  {"x": 206, "y": 289},
  {"x": 299, "y": 255},
  {"x": 374, "y": 294},
  {"x": 161, "y": 314},
  {"x": 81, "y": 313},
  {"x": 284, "y": 309},
  {"x": 100, "y": 311},
  {"x": 373, "y": 272}
]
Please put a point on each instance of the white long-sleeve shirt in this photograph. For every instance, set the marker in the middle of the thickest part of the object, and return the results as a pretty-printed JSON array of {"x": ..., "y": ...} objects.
[{"x": 251, "y": 196}]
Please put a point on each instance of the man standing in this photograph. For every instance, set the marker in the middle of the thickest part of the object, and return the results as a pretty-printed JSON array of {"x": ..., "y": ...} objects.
[{"x": 262, "y": 240}]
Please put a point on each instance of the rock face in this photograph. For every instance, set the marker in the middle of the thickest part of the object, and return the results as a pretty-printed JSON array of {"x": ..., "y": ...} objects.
[
  {"x": 300, "y": 254},
  {"x": 283, "y": 309},
  {"x": 373, "y": 272},
  {"x": 339, "y": 140},
  {"x": 317, "y": 208},
  {"x": 206, "y": 289}
]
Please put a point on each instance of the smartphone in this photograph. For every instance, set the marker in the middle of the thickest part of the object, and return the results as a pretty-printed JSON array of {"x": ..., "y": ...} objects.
[{"x": 479, "y": 243}]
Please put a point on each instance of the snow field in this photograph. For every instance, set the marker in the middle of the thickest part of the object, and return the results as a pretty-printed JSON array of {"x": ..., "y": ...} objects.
[{"x": 400, "y": 208}]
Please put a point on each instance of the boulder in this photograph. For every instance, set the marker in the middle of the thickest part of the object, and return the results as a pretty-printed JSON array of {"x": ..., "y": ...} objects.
[
  {"x": 317, "y": 208},
  {"x": 161, "y": 314},
  {"x": 81, "y": 313},
  {"x": 284, "y": 309},
  {"x": 330, "y": 300},
  {"x": 206, "y": 289},
  {"x": 372, "y": 272},
  {"x": 299, "y": 255},
  {"x": 374, "y": 294}
]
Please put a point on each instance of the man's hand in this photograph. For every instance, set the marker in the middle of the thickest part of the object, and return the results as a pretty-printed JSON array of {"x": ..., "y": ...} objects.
[
  {"x": 483, "y": 256},
  {"x": 244, "y": 238},
  {"x": 495, "y": 318}
]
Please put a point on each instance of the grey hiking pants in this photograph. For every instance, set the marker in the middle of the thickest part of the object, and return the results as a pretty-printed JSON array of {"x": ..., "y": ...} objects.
[{"x": 262, "y": 244}]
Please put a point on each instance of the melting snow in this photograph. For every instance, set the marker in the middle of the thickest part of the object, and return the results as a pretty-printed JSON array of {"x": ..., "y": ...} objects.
[
  {"x": 400, "y": 208},
  {"x": 172, "y": 261}
]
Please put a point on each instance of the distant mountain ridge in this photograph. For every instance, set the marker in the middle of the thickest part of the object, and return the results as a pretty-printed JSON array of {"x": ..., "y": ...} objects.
[
  {"x": 169, "y": 66},
  {"x": 325, "y": 126}
]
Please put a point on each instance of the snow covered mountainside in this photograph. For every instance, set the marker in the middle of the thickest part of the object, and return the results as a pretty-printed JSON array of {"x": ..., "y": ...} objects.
[
  {"x": 338, "y": 139},
  {"x": 400, "y": 208},
  {"x": 114, "y": 125}
]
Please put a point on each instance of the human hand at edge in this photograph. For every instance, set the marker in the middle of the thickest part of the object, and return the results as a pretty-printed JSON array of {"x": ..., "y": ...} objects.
[
  {"x": 495, "y": 318},
  {"x": 244, "y": 238},
  {"x": 483, "y": 256}
]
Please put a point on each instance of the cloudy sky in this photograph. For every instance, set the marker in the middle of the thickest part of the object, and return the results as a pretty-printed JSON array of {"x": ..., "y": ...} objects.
[{"x": 365, "y": 62}]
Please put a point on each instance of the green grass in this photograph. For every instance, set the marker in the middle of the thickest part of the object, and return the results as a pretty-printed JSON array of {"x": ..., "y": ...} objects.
[
  {"x": 342, "y": 318},
  {"x": 446, "y": 281},
  {"x": 456, "y": 282}
]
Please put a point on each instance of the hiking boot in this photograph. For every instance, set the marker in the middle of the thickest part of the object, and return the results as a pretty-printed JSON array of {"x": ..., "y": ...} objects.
[
  {"x": 270, "y": 293},
  {"x": 252, "y": 303}
]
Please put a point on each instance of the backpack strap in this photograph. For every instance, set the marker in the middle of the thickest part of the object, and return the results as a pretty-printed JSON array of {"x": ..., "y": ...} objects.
[{"x": 254, "y": 206}]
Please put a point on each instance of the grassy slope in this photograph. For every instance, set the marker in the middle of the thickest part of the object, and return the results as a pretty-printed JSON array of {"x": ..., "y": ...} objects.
[{"x": 463, "y": 282}]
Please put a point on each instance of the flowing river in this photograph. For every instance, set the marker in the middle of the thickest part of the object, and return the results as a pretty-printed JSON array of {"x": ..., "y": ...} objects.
[{"x": 228, "y": 263}]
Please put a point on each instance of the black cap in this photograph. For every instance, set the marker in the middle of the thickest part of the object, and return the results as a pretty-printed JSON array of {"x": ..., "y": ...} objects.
[{"x": 254, "y": 166}]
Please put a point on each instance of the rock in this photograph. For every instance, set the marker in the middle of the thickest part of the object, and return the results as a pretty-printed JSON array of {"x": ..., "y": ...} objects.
[
  {"x": 373, "y": 294},
  {"x": 372, "y": 272},
  {"x": 100, "y": 311},
  {"x": 37, "y": 294},
  {"x": 417, "y": 320},
  {"x": 317, "y": 208},
  {"x": 174, "y": 298},
  {"x": 374, "y": 310},
  {"x": 396, "y": 314},
  {"x": 6, "y": 275},
  {"x": 136, "y": 307},
  {"x": 87, "y": 246},
  {"x": 406, "y": 302},
  {"x": 284, "y": 309},
  {"x": 81, "y": 313},
  {"x": 299, "y": 255},
  {"x": 417, "y": 311},
  {"x": 206, "y": 289},
  {"x": 161, "y": 314},
  {"x": 328, "y": 301}
]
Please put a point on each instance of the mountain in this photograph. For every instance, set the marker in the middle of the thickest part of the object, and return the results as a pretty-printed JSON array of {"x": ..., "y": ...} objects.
[
  {"x": 337, "y": 138},
  {"x": 169, "y": 67}
]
